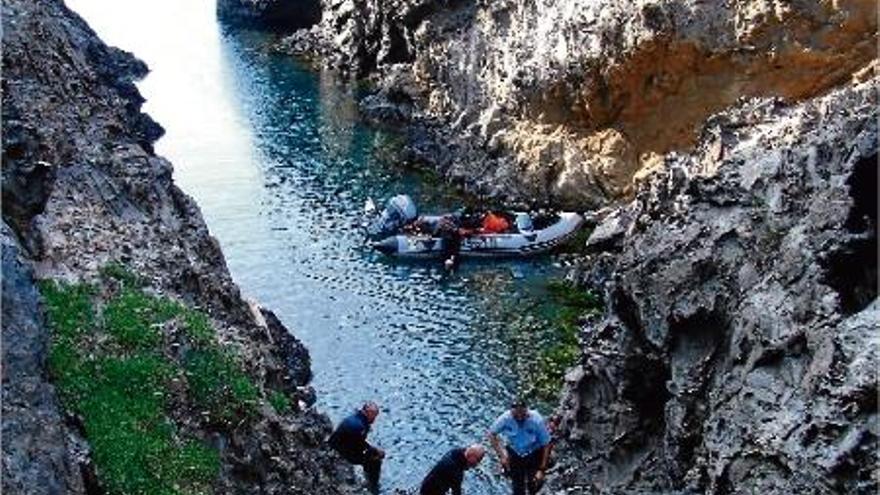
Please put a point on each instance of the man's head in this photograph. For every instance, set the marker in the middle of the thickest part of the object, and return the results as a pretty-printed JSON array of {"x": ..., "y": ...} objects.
[
  {"x": 473, "y": 454},
  {"x": 519, "y": 410},
  {"x": 370, "y": 410}
]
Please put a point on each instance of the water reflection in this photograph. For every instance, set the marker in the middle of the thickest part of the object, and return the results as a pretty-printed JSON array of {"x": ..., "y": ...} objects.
[{"x": 337, "y": 117}]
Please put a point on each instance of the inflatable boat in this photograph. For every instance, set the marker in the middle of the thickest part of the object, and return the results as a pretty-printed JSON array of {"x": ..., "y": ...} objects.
[{"x": 529, "y": 234}]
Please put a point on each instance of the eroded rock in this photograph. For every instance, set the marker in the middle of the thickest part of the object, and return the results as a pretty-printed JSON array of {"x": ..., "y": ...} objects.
[
  {"x": 567, "y": 100},
  {"x": 732, "y": 358}
]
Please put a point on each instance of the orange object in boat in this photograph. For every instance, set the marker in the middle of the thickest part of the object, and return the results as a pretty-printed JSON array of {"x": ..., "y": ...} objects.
[{"x": 495, "y": 224}]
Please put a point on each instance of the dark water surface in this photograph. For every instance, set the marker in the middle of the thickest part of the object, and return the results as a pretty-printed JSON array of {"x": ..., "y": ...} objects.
[{"x": 280, "y": 165}]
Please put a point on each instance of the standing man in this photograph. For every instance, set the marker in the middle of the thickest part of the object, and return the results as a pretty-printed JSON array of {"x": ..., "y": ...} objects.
[
  {"x": 524, "y": 458},
  {"x": 447, "y": 475},
  {"x": 350, "y": 440}
]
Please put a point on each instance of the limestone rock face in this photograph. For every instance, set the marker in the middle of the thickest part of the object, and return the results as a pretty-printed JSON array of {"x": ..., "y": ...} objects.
[
  {"x": 82, "y": 187},
  {"x": 568, "y": 99},
  {"x": 739, "y": 348}
]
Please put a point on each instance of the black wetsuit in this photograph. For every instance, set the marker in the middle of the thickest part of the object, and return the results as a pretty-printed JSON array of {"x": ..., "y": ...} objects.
[
  {"x": 447, "y": 229},
  {"x": 350, "y": 440},
  {"x": 447, "y": 475}
]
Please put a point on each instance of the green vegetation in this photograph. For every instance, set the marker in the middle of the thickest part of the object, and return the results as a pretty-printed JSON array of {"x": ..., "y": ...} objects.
[
  {"x": 218, "y": 384},
  {"x": 112, "y": 371},
  {"x": 572, "y": 300},
  {"x": 117, "y": 271},
  {"x": 130, "y": 318},
  {"x": 72, "y": 316},
  {"x": 567, "y": 305},
  {"x": 134, "y": 445},
  {"x": 544, "y": 337},
  {"x": 280, "y": 402},
  {"x": 198, "y": 327},
  {"x": 578, "y": 242}
]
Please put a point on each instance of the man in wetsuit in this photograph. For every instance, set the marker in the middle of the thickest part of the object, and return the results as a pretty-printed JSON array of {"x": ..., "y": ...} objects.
[
  {"x": 524, "y": 459},
  {"x": 350, "y": 440},
  {"x": 447, "y": 475},
  {"x": 448, "y": 230}
]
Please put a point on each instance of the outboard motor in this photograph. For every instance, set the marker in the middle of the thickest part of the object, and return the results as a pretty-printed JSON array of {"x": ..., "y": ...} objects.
[{"x": 399, "y": 211}]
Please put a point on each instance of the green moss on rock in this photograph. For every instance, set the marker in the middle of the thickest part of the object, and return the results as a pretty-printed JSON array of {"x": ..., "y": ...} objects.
[
  {"x": 113, "y": 371},
  {"x": 564, "y": 308}
]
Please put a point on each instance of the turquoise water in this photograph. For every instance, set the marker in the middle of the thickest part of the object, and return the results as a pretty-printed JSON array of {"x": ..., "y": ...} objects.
[{"x": 281, "y": 166}]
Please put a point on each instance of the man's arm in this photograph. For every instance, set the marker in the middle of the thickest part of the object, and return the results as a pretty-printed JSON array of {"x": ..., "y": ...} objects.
[
  {"x": 358, "y": 440},
  {"x": 496, "y": 445},
  {"x": 456, "y": 483},
  {"x": 542, "y": 468},
  {"x": 375, "y": 452},
  {"x": 333, "y": 439},
  {"x": 495, "y": 441},
  {"x": 545, "y": 457},
  {"x": 369, "y": 449},
  {"x": 544, "y": 439}
]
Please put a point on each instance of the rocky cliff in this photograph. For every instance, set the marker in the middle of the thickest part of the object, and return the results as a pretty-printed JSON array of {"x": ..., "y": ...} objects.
[
  {"x": 565, "y": 101},
  {"x": 738, "y": 141},
  {"x": 39, "y": 449},
  {"x": 739, "y": 349},
  {"x": 83, "y": 190}
]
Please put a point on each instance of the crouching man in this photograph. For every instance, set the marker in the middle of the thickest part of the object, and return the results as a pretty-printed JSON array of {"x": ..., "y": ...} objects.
[
  {"x": 350, "y": 440},
  {"x": 447, "y": 475}
]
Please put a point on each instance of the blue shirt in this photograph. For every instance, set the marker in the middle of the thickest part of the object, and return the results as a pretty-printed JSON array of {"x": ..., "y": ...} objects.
[{"x": 523, "y": 437}]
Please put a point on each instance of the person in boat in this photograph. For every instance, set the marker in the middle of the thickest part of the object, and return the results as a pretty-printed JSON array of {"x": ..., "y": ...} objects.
[
  {"x": 454, "y": 229},
  {"x": 524, "y": 457},
  {"x": 447, "y": 475},
  {"x": 350, "y": 441},
  {"x": 492, "y": 222},
  {"x": 449, "y": 229}
]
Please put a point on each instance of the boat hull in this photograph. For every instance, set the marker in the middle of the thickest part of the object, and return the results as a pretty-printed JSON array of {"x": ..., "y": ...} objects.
[{"x": 517, "y": 244}]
